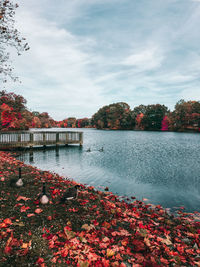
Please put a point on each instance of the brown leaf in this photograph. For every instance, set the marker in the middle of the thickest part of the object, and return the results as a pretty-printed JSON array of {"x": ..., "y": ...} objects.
[
  {"x": 83, "y": 263},
  {"x": 166, "y": 241},
  {"x": 21, "y": 224},
  {"x": 110, "y": 252},
  {"x": 147, "y": 242},
  {"x": 69, "y": 234},
  {"x": 88, "y": 227}
]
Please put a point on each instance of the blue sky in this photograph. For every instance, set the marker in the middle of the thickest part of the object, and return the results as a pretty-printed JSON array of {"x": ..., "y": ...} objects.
[{"x": 89, "y": 53}]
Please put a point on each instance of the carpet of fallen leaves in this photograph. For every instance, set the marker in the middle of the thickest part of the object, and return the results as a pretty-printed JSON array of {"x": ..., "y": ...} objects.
[{"x": 96, "y": 229}]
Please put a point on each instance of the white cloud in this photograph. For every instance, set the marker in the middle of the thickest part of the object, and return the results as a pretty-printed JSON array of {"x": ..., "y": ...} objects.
[
  {"x": 174, "y": 78},
  {"x": 145, "y": 58},
  {"x": 55, "y": 70}
]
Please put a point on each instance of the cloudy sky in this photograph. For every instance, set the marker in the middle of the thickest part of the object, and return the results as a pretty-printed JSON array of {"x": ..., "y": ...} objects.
[{"x": 89, "y": 53}]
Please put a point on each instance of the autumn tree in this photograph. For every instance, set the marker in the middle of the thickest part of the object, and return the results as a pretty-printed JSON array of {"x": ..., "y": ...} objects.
[
  {"x": 71, "y": 122},
  {"x": 153, "y": 116},
  {"x": 186, "y": 115},
  {"x": 115, "y": 116},
  {"x": 83, "y": 123},
  {"x": 99, "y": 119},
  {"x": 45, "y": 120},
  {"x": 9, "y": 38},
  {"x": 165, "y": 123},
  {"x": 35, "y": 123},
  {"x": 141, "y": 109},
  {"x": 17, "y": 102},
  {"x": 14, "y": 114},
  {"x": 139, "y": 112},
  {"x": 10, "y": 119},
  {"x": 12, "y": 111},
  {"x": 138, "y": 122}
]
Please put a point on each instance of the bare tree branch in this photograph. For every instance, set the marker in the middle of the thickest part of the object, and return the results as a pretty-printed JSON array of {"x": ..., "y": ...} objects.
[{"x": 9, "y": 37}]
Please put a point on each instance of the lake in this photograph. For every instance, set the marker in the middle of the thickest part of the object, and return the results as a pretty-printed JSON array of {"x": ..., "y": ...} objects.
[{"x": 163, "y": 167}]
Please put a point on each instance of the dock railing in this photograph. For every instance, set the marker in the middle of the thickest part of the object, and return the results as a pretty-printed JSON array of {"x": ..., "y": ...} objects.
[{"x": 38, "y": 138}]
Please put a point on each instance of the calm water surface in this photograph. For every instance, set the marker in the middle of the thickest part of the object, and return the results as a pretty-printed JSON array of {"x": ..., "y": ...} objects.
[{"x": 162, "y": 167}]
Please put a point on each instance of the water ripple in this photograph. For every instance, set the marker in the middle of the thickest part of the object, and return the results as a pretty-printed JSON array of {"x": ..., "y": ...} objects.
[{"x": 163, "y": 167}]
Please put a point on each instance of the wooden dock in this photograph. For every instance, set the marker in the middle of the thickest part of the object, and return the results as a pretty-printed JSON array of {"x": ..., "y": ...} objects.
[{"x": 19, "y": 139}]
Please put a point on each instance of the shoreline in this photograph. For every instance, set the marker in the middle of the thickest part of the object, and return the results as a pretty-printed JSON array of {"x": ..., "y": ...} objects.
[
  {"x": 97, "y": 229},
  {"x": 134, "y": 130}
]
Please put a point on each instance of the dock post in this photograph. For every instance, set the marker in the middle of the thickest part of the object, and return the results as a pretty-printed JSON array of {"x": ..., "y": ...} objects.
[
  {"x": 19, "y": 139},
  {"x": 31, "y": 139},
  {"x": 44, "y": 138},
  {"x": 57, "y": 138},
  {"x": 66, "y": 139},
  {"x": 81, "y": 139}
]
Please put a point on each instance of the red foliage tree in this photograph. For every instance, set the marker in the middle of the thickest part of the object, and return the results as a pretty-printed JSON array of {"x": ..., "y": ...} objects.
[
  {"x": 165, "y": 124},
  {"x": 11, "y": 120},
  {"x": 17, "y": 102},
  {"x": 7, "y": 115},
  {"x": 186, "y": 116},
  {"x": 83, "y": 123},
  {"x": 138, "y": 121}
]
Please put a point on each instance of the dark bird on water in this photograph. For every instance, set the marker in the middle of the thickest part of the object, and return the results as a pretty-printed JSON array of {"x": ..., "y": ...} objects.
[
  {"x": 101, "y": 149},
  {"x": 88, "y": 150},
  {"x": 17, "y": 182},
  {"x": 71, "y": 193},
  {"x": 43, "y": 197}
]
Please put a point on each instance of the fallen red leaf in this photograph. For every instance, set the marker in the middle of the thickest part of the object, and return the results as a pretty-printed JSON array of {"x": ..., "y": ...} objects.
[
  {"x": 22, "y": 198},
  {"x": 7, "y": 250},
  {"x": 7, "y": 221},
  {"x": 38, "y": 210},
  {"x": 30, "y": 214},
  {"x": 24, "y": 208},
  {"x": 40, "y": 260}
]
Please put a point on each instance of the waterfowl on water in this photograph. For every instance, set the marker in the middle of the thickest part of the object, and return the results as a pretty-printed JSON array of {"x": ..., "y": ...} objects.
[
  {"x": 43, "y": 197},
  {"x": 17, "y": 182},
  {"x": 71, "y": 193},
  {"x": 88, "y": 150},
  {"x": 101, "y": 149}
]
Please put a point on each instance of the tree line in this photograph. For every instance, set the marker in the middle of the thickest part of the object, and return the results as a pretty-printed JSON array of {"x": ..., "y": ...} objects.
[
  {"x": 119, "y": 116},
  {"x": 14, "y": 115}
]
